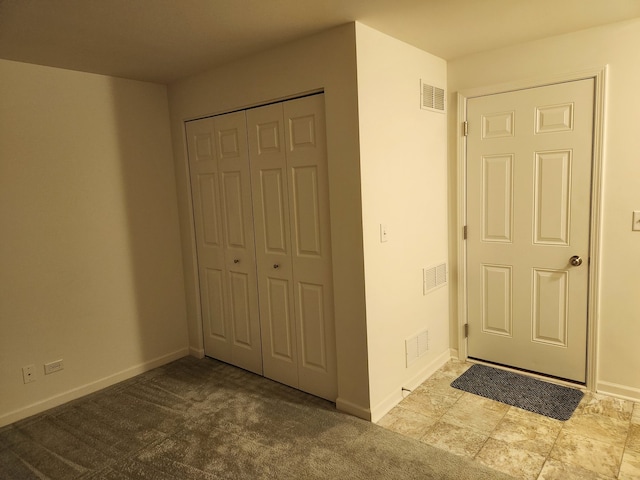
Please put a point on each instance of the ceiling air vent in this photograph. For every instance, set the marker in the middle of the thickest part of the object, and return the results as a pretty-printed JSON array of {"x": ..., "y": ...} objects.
[{"x": 431, "y": 98}]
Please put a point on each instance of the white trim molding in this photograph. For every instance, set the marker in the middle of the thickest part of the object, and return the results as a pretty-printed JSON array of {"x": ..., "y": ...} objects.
[
  {"x": 91, "y": 387},
  {"x": 397, "y": 396},
  {"x": 352, "y": 409},
  {"x": 599, "y": 74},
  {"x": 196, "y": 352},
  {"x": 620, "y": 391}
]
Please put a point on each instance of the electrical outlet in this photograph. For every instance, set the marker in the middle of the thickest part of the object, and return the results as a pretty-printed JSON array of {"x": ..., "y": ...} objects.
[
  {"x": 29, "y": 373},
  {"x": 53, "y": 367}
]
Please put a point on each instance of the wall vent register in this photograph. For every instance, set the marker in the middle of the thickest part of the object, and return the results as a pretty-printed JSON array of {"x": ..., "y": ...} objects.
[
  {"x": 433, "y": 277},
  {"x": 431, "y": 98}
]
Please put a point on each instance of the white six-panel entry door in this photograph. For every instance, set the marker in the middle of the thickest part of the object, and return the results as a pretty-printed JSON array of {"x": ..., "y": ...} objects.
[
  {"x": 260, "y": 197},
  {"x": 529, "y": 161}
]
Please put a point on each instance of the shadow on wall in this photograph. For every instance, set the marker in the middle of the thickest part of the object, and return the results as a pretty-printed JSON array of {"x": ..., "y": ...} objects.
[
  {"x": 90, "y": 263},
  {"x": 150, "y": 206}
]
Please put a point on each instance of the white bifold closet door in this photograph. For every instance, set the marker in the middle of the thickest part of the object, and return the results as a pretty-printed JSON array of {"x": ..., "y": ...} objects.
[
  {"x": 291, "y": 210},
  {"x": 221, "y": 192},
  {"x": 265, "y": 272}
]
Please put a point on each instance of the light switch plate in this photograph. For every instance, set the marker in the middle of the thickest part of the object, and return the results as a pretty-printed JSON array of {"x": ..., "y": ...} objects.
[
  {"x": 636, "y": 221},
  {"x": 384, "y": 235}
]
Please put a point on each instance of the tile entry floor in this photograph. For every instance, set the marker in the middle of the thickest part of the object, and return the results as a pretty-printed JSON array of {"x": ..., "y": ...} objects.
[{"x": 600, "y": 441}]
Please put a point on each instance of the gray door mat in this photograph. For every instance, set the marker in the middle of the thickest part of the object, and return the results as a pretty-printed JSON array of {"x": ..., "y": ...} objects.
[{"x": 527, "y": 393}]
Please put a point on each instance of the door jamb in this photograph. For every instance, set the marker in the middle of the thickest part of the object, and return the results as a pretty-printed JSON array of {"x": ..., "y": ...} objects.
[{"x": 599, "y": 75}]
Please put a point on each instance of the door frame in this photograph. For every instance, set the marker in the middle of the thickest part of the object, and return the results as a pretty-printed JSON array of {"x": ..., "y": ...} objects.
[{"x": 599, "y": 76}]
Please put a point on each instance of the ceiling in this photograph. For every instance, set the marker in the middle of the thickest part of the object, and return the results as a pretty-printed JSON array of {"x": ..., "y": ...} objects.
[{"x": 165, "y": 40}]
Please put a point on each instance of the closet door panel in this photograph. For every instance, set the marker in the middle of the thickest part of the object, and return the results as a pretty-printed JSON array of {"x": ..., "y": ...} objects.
[
  {"x": 279, "y": 319},
  {"x": 213, "y": 303},
  {"x": 207, "y": 205},
  {"x": 274, "y": 212},
  {"x": 278, "y": 336},
  {"x": 204, "y": 171},
  {"x": 312, "y": 327},
  {"x": 305, "y": 137},
  {"x": 240, "y": 300},
  {"x": 234, "y": 215},
  {"x": 220, "y": 179},
  {"x": 273, "y": 245},
  {"x": 239, "y": 247},
  {"x": 306, "y": 211}
]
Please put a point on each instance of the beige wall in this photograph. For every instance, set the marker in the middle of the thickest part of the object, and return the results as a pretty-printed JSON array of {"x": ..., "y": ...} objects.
[
  {"x": 618, "y": 362},
  {"x": 90, "y": 266},
  {"x": 325, "y": 61},
  {"x": 404, "y": 186}
]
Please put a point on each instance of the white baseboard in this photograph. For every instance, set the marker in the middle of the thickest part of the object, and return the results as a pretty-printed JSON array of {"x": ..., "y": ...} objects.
[
  {"x": 620, "y": 391},
  {"x": 88, "y": 388},
  {"x": 396, "y": 397},
  {"x": 196, "y": 352},
  {"x": 454, "y": 353},
  {"x": 353, "y": 409}
]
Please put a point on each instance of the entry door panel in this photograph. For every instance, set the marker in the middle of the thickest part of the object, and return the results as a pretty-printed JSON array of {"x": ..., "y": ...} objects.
[{"x": 529, "y": 157}]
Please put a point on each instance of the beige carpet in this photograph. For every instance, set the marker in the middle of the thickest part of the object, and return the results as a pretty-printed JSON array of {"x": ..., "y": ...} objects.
[{"x": 202, "y": 419}]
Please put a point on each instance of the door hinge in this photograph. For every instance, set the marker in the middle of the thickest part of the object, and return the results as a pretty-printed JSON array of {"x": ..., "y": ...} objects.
[
  {"x": 466, "y": 330},
  {"x": 465, "y": 128},
  {"x": 464, "y": 232}
]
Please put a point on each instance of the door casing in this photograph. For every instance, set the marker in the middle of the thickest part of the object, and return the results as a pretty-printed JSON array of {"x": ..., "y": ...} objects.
[{"x": 599, "y": 76}]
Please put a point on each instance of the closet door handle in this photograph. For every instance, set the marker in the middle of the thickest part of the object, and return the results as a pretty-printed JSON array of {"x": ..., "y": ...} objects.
[
  {"x": 235, "y": 260},
  {"x": 276, "y": 266}
]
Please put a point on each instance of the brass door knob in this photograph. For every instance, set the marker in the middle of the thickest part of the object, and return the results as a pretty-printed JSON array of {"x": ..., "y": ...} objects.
[{"x": 576, "y": 261}]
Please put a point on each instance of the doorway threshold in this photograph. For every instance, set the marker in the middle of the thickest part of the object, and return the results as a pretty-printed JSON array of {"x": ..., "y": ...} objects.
[{"x": 540, "y": 376}]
